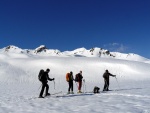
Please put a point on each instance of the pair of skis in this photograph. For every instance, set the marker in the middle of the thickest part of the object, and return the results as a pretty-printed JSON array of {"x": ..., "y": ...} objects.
[{"x": 76, "y": 94}]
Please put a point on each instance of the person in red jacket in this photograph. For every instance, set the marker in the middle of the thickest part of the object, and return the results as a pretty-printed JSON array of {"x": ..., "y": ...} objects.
[{"x": 79, "y": 78}]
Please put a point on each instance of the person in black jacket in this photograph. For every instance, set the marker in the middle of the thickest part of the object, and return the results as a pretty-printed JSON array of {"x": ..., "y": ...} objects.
[
  {"x": 44, "y": 80},
  {"x": 70, "y": 82},
  {"x": 106, "y": 80}
]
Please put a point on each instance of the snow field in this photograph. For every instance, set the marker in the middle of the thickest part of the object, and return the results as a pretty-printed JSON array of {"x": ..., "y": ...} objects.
[{"x": 19, "y": 85}]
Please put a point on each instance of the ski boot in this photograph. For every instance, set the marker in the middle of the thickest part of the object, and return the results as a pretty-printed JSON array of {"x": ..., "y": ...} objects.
[
  {"x": 41, "y": 97},
  {"x": 48, "y": 94},
  {"x": 68, "y": 92},
  {"x": 71, "y": 92},
  {"x": 79, "y": 91}
]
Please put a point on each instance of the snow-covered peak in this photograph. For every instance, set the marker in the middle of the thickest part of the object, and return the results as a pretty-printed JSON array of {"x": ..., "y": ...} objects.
[
  {"x": 99, "y": 52},
  {"x": 40, "y": 49},
  {"x": 93, "y": 52},
  {"x": 129, "y": 56},
  {"x": 43, "y": 50},
  {"x": 12, "y": 48},
  {"x": 80, "y": 49}
]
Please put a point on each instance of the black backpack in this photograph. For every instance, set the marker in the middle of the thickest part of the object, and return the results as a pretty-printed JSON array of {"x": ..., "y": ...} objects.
[
  {"x": 40, "y": 74},
  {"x": 96, "y": 89},
  {"x": 77, "y": 78}
]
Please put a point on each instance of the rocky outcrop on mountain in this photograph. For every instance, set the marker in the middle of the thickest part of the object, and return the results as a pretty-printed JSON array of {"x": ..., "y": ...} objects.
[
  {"x": 14, "y": 49},
  {"x": 40, "y": 49}
]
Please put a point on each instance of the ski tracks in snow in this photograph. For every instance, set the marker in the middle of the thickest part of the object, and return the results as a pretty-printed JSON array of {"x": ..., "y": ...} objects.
[{"x": 20, "y": 98}]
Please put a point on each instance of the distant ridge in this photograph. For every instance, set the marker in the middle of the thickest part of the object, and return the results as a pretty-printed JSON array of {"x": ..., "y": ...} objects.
[{"x": 80, "y": 52}]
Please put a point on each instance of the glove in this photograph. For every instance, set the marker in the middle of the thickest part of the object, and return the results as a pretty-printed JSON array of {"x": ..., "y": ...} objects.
[
  {"x": 114, "y": 75},
  {"x": 53, "y": 78}
]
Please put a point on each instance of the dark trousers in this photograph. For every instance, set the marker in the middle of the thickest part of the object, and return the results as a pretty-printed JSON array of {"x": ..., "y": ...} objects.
[
  {"x": 70, "y": 85},
  {"x": 106, "y": 85},
  {"x": 44, "y": 84}
]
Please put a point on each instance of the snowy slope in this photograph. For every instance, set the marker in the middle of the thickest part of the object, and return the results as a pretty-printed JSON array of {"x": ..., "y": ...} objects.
[
  {"x": 19, "y": 85},
  {"x": 31, "y": 65}
]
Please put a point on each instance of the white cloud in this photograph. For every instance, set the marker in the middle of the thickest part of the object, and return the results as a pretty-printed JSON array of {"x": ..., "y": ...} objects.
[{"x": 116, "y": 47}]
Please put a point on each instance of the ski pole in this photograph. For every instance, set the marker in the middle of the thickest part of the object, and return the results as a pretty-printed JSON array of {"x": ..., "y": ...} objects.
[
  {"x": 40, "y": 87},
  {"x": 84, "y": 85},
  {"x": 117, "y": 82},
  {"x": 76, "y": 85},
  {"x": 54, "y": 84}
]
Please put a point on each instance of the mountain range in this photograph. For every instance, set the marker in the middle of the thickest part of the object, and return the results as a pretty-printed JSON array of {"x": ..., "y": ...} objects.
[{"x": 80, "y": 52}]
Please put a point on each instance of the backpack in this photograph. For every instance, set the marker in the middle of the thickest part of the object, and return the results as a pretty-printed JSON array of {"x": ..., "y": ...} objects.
[
  {"x": 77, "y": 78},
  {"x": 96, "y": 89},
  {"x": 67, "y": 77},
  {"x": 41, "y": 73}
]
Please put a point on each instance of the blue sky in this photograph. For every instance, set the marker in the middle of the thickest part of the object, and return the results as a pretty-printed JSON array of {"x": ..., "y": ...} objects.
[{"x": 117, "y": 25}]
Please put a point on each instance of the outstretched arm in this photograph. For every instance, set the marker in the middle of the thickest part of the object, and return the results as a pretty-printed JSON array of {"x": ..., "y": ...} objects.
[
  {"x": 112, "y": 75},
  {"x": 50, "y": 79}
]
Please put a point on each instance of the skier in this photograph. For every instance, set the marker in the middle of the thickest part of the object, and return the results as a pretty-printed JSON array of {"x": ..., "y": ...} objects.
[
  {"x": 70, "y": 78},
  {"x": 79, "y": 78},
  {"x": 44, "y": 80},
  {"x": 106, "y": 80}
]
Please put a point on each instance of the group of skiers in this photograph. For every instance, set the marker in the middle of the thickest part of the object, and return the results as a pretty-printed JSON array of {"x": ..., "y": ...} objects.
[
  {"x": 70, "y": 79},
  {"x": 44, "y": 77}
]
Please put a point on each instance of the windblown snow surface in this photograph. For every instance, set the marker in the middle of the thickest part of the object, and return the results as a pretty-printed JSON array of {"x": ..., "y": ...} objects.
[{"x": 19, "y": 85}]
